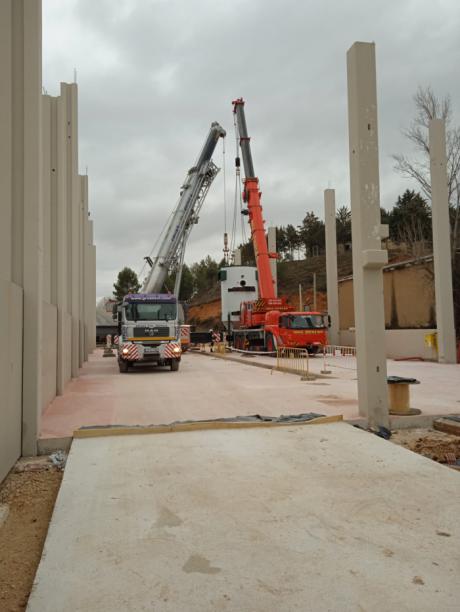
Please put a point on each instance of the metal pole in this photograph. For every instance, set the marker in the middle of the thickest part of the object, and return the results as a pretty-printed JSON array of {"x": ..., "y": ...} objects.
[
  {"x": 314, "y": 290},
  {"x": 300, "y": 298}
]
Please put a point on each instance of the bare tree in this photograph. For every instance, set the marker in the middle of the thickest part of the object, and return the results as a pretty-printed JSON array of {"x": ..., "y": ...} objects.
[{"x": 429, "y": 106}]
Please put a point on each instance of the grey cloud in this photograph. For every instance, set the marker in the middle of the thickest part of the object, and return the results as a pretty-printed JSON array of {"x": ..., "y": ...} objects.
[{"x": 153, "y": 75}]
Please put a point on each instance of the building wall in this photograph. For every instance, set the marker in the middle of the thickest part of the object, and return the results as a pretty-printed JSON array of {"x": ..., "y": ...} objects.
[
  {"x": 400, "y": 343},
  {"x": 41, "y": 223},
  {"x": 49, "y": 354},
  {"x": 408, "y": 296},
  {"x": 11, "y": 298}
]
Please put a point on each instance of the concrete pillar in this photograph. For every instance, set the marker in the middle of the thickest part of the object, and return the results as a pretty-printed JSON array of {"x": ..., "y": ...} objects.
[
  {"x": 441, "y": 243},
  {"x": 21, "y": 185},
  {"x": 63, "y": 280},
  {"x": 83, "y": 266},
  {"x": 271, "y": 243},
  {"x": 47, "y": 144},
  {"x": 69, "y": 95},
  {"x": 92, "y": 298},
  {"x": 331, "y": 265},
  {"x": 368, "y": 256}
]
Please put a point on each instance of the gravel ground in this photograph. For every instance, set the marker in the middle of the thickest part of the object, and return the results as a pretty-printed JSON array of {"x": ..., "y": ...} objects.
[
  {"x": 27, "y": 498},
  {"x": 429, "y": 443}
]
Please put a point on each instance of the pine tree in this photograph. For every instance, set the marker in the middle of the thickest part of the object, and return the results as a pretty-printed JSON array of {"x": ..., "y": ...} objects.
[{"x": 127, "y": 282}]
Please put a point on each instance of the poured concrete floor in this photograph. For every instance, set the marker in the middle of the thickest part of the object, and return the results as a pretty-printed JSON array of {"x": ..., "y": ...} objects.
[
  {"x": 309, "y": 518},
  {"x": 208, "y": 387}
]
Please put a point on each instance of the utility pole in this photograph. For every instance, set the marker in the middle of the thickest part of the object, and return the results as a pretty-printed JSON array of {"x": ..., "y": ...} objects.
[
  {"x": 331, "y": 265},
  {"x": 314, "y": 290}
]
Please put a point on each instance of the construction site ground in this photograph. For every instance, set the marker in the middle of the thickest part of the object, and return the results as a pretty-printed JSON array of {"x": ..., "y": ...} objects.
[
  {"x": 27, "y": 499},
  {"x": 298, "y": 517},
  {"x": 209, "y": 387}
]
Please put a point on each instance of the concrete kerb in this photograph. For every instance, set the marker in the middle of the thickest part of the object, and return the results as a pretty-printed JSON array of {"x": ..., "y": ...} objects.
[
  {"x": 46, "y": 446},
  {"x": 114, "y": 430},
  {"x": 423, "y": 421}
]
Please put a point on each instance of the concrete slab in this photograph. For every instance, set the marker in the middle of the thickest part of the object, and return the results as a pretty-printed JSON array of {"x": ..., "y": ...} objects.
[
  {"x": 310, "y": 518},
  {"x": 211, "y": 387},
  {"x": 437, "y": 393},
  {"x": 203, "y": 388}
]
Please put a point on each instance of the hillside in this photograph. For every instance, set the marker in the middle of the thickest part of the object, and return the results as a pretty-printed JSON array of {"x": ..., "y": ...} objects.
[{"x": 205, "y": 310}]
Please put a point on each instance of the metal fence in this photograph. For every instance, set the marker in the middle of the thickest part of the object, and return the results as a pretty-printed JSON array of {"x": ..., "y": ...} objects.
[
  {"x": 339, "y": 351},
  {"x": 292, "y": 360}
]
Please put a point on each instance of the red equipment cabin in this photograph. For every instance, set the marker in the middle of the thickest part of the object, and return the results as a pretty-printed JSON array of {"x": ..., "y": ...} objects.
[{"x": 269, "y": 322}]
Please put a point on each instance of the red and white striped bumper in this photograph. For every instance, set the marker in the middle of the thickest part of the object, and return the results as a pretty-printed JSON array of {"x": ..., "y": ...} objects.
[
  {"x": 170, "y": 350},
  {"x": 130, "y": 352}
]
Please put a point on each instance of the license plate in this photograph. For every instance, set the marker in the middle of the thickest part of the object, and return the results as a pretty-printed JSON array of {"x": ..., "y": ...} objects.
[{"x": 150, "y": 349}]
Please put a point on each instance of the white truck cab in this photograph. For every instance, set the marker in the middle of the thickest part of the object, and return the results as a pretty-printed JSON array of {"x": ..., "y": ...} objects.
[{"x": 149, "y": 330}]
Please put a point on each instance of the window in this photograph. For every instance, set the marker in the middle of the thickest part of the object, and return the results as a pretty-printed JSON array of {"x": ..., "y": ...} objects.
[
  {"x": 306, "y": 321},
  {"x": 150, "y": 312}
]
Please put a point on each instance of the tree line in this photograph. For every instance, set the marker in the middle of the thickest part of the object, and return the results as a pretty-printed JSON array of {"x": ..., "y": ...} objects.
[{"x": 409, "y": 221}]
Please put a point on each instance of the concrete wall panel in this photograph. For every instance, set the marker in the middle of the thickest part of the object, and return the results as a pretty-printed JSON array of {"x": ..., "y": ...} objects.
[
  {"x": 408, "y": 297},
  {"x": 11, "y": 301},
  {"x": 49, "y": 354},
  {"x": 65, "y": 324},
  {"x": 400, "y": 343}
]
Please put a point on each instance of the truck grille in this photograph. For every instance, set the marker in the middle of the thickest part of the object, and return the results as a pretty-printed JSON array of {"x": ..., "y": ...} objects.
[{"x": 151, "y": 332}]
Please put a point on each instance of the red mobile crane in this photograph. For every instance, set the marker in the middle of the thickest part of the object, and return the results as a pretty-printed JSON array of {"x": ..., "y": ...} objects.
[{"x": 269, "y": 322}]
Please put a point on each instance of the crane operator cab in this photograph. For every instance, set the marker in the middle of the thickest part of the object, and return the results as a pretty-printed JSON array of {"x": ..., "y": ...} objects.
[{"x": 149, "y": 331}]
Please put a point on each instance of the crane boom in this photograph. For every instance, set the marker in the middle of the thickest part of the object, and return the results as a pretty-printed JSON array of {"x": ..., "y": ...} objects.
[
  {"x": 252, "y": 197},
  {"x": 192, "y": 195}
]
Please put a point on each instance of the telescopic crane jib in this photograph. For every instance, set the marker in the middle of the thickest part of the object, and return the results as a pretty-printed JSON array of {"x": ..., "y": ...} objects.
[
  {"x": 193, "y": 192},
  {"x": 251, "y": 196}
]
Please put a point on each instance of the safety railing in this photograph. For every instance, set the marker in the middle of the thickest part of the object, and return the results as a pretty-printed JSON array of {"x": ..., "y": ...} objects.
[
  {"x": 294, "y": 360},
  {"x": 339, "y": 351}
]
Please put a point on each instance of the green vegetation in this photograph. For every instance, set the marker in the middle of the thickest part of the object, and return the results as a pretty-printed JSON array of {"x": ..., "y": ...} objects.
[{"x": 127, "y": 282}]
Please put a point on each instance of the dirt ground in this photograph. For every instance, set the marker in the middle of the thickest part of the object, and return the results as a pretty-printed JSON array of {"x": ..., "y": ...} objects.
[
  {"x": 27, "y": 498},
  {"x": 436, "y": 445}
]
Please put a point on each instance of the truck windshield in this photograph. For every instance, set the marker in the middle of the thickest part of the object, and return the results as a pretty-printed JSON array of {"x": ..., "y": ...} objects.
[
  {"x": 151, "y": 312},
  {"x": 306, "y": 321}
]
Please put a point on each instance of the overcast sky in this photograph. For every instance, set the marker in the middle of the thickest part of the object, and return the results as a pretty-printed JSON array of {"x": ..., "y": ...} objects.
[{"x": 154, "y": 74}]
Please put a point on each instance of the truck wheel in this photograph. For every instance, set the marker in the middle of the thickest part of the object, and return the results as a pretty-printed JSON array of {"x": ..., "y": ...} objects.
[
  {"x": 174, "y": 365},
  {"x": 123, "y": 365},
  {"x": 270, "y": 344}
]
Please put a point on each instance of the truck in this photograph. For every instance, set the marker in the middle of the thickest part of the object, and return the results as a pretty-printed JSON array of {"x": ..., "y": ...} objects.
[
  {"x": 269, "y": 322},
  {"x": 149, "y": 331},
  {"x": 149, "y": 323}
]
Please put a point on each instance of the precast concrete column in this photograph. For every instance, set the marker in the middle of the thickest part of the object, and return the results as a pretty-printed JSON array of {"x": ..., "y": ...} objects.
[
  {"x": 331, "y": 265},
  {"x": 83, "y": 266},
  {"x": 271, "y": 243},
  {"x": 92, "y": 306},
  {"x": 63, "y": 250},
  {"x": 441, "y": 243},
  {"x": 368, "y": 256},
  {"x": 46, "y": 190},
  {"x": 69, "y": 95},
  {"x": 21, "y": 185}
]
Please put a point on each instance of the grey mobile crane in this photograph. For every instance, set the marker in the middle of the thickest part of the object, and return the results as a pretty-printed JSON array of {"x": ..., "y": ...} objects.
[
  {"x": 149, "y": 329},
  {"x": 192, "y": 195}
]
